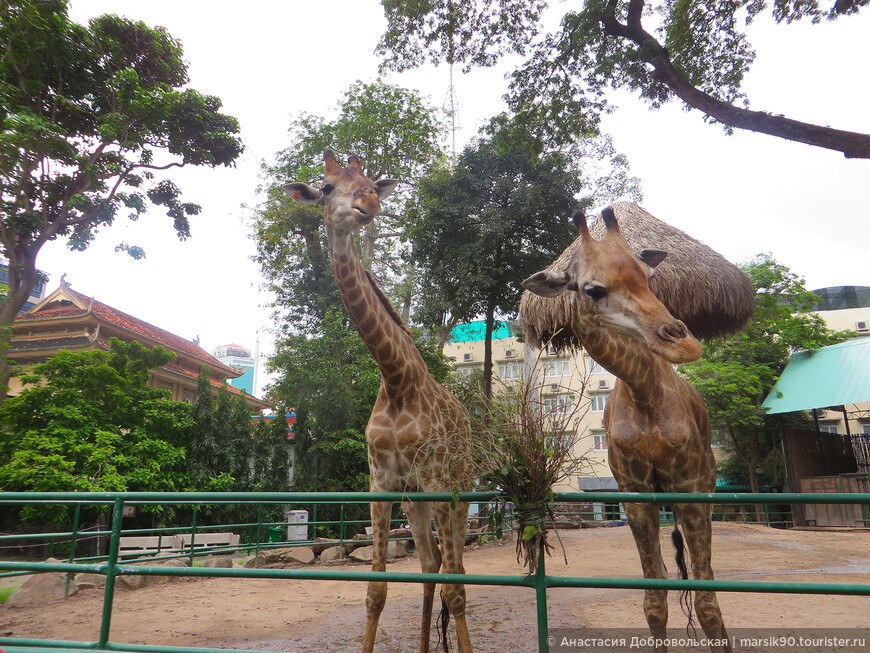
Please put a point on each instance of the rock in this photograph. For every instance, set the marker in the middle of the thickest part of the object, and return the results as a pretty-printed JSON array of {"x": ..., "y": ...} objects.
[
  {"x": 397, "y": 548},
  {"x": 332, "y": 553},
  {"x": 87, "y": 581},
  {"x": 472, "y": 538},
  {"x": 162, "y": 580},
  {"x": 273, "y": 555},
  {"x": 362, "y": 554},
  {"x": 322, "y": 543},
  {"x": 254, "y": 561},
  {"x": 400, "y": 534},
  {"x": 301, "y": 554},
  {"x": 220, "y": 561},
  {"x": 39, "y": 588},
  {"x": 131, "y": 581}
]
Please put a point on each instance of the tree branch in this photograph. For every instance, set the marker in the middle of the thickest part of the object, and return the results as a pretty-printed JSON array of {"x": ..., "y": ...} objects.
[{"x": 853, "y": 145}]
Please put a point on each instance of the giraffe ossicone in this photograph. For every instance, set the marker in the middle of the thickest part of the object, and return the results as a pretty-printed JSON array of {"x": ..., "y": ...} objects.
[{"x": 418, "y": 434}]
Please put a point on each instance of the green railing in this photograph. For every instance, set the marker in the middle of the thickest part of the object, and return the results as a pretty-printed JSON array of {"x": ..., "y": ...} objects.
[{"x": 113, "y": 566}]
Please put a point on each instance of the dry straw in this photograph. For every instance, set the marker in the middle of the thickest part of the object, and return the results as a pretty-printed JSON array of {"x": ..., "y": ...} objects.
[{"x": 524, "y": 447}]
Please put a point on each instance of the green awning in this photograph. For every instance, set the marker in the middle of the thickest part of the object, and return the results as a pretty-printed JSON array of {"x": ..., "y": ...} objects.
[{"x": 831, "y": 376}]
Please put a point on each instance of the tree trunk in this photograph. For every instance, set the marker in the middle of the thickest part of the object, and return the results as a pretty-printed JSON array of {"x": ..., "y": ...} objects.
[
  {"x": 22, "y": 279},
  {"x": 487, "y": 354}
]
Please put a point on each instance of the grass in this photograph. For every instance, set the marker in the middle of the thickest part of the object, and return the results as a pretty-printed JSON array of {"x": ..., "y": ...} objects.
[{"x": 6, "y": 592}]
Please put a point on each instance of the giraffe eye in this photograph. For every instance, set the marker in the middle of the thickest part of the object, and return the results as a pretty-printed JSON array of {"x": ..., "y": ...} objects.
[
  {"x": 327, "y": 189},
  {"x": 595, "y": 292}
]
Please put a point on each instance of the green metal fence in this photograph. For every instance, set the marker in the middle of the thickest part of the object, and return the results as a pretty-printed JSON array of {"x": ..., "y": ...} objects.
[{"x": 114, "y": 565}]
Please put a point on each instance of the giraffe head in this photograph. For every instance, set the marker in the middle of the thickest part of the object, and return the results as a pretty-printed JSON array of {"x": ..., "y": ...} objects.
[
  {"x": 609, "y": 283},
  {"x": 351, "y": 200}
]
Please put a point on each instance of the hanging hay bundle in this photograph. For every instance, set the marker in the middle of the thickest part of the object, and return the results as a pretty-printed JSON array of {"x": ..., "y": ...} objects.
[{"x": 698, "y": 286}]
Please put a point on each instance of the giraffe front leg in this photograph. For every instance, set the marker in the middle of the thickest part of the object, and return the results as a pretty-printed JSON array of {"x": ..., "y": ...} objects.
[
  {"x": 419, "y": 517},
  {"x": 643, "y": 519},
  {"x": 698, "y": 529},
  {"x": 376, "y": 595},
  {"x": 448, "y": 521}
]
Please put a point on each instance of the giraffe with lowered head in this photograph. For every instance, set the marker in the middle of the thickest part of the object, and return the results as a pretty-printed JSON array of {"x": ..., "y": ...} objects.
[
  {"x": 658, "y": 432},
  {"x": 418, "y": 433}
]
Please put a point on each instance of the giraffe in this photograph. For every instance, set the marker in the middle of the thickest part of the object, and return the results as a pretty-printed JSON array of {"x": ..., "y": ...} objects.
[
  {"x": 658, "y": 431},
  {"x": 418, "y": 433}
]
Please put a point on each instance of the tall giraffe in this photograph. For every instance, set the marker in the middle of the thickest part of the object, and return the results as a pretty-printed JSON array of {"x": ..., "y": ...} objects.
[
  {"x": 658, "y": 432},
  {"x": 418, "y": 433}
]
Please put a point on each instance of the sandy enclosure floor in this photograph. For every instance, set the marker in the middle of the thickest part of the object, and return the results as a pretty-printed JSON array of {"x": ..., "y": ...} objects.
[{"x": 289, "y": 615}]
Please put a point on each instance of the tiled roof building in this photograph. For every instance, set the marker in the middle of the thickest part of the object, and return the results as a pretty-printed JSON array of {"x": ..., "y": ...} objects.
[{"x": 67, "y": 319}]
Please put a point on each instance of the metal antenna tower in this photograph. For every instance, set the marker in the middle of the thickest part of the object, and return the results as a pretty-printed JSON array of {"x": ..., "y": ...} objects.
[{"x": 451, "y": 105}]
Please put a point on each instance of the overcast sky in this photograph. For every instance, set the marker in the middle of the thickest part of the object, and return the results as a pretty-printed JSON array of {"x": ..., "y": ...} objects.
[{"x": 270, "y": 60}]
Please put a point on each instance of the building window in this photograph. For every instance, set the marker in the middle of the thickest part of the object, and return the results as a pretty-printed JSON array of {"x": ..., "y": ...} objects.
[
  {"x": 557, "y": 368},
  {"x": 465, "y": 372},
  {"x": 597, "y": 402},
  {"x": 829, "y": 428},
  {"x": 510, "y": 371},
  {"x": 593, "y": 367},
  {"x": 563, "y": 441},
  {"x": 599, "y": 442},
  {"x": 558, "y": 405}
]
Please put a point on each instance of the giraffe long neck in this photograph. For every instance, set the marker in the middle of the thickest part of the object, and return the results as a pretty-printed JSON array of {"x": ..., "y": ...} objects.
[
  {"x": 379, "y": 325},
  {"x": 627, "y": 358}
]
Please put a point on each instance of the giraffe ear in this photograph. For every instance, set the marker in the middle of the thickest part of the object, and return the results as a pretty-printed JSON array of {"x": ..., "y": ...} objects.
[
  {"x": 550, "y": 284},
  {"x": 304, "y": 194},
  {"x": 652, "y": 257},
  {"x": 385, "y": 187}
]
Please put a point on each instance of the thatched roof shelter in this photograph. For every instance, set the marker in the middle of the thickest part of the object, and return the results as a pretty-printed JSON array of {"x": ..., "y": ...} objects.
[{"x": 712, "y": 296}]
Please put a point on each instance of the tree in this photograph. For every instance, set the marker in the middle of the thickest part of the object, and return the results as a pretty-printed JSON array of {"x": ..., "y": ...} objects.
[
  {"x": 735, "y": 375},
  {"x": 90, "y": 115},
  {"x": 396, "y": 135},
  {"x": 700, "y": 57},
  {"x": 92, "y": 424},
  {"x": 499, "y": 216}
]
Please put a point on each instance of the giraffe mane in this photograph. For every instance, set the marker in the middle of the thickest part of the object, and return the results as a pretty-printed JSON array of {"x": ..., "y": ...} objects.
[{"x": 391, "y": 311}]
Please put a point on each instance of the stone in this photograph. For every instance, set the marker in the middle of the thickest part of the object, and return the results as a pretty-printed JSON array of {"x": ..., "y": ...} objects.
[
  {"x": 220, "y": 561},
  {"x": 397, "y": 548},
  {"x": 162, "y": 580},
  {"x": 39, "y": 588},
  {"x": 301, "y": 554},
  {"x": 87, "y": 580},
  {"x": 322, "y": 543},
  {"x": 254, "y": 561},
  {"x": 362, "y": 554},
  {"x": 332, "y": 553},
  {"x": 400, "y": 534},
  {"x": 273, "y": 555},
  {"x": 131, "y": 581}
]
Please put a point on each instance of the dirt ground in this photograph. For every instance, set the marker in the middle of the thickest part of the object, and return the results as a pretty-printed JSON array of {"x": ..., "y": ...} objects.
[{"x": 289, "y": 615}]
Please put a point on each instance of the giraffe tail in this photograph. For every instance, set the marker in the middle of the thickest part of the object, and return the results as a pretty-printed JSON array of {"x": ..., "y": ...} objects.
[
  {"x": 685, "y": 595},
  {"x": 443, "y": 623}
]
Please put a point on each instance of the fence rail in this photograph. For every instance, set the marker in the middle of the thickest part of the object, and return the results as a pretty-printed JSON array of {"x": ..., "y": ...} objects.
[{"x": 114, "y": 564}]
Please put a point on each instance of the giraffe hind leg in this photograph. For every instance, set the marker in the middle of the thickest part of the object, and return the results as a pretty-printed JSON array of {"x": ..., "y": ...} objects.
[
  {"x": 419, "y": 517},
  {"x": 643, "y": 520},
  {"x": 698, "y": 530},
  {"x": 451, "y": 522}
]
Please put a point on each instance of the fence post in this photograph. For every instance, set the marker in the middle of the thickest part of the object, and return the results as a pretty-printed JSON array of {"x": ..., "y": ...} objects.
[
  {"x": 541, "y": 602},
  {"x": 259, "y": 523},
  {"x": 111, "y": 572},
  {"x": 73, "y": 545},
  {"x": 193, "y": 532}
]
